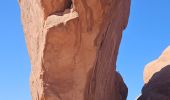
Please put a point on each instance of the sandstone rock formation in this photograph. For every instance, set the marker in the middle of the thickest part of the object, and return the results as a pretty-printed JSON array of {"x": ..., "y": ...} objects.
[
  {"x": 73, "y": 47},
  {"x": 157, "y": 79},
  {"x": 157, "y": 65}
]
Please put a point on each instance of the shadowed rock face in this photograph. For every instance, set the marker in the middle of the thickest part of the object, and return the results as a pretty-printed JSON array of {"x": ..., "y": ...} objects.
[
  {"x": 157, "y": 79},
  {"x": 73, "y": 47},
  {"x": 120, "y": 86},
  {"x": 158, "y": 87}
]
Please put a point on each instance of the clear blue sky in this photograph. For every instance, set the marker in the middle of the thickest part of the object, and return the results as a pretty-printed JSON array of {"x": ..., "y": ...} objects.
[{"x": 146, "y": 36}]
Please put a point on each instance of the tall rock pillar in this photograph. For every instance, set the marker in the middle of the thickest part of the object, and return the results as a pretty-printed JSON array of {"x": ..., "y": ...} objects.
[{"x": 73, "y": 47}]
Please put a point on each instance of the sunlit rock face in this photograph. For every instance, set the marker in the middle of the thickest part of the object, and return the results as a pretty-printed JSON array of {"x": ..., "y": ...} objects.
[
  {"x": 157, "y": 65},
  {"x": 73, "y": 47},
  {"x": 157, "y": 79}
]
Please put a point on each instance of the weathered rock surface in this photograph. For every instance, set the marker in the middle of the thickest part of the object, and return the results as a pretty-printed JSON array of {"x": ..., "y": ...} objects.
[
  {"x": 73, "y": 47},
  {"x": 157, "y": 79}
]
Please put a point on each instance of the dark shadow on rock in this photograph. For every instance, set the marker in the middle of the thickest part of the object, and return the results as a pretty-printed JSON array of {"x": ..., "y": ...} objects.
[
  {"x": 158, "y": 87},
  {"x": 121, "y": 88}
]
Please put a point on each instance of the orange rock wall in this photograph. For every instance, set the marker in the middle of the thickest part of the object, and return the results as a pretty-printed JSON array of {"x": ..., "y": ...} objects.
[{"x": 73, "y": 47}]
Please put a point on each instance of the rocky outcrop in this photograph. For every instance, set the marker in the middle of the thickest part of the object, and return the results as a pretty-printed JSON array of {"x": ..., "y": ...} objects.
[
  {"x": 73, "y": 47},
  {"x": 157, "y": 65},
  {"x": 157, "y": 79}
]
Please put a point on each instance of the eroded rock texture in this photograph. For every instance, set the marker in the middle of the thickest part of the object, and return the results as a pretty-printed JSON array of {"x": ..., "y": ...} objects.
[
  {"x": 73, "y": 46},
  {"x": 157, "y": 79}
]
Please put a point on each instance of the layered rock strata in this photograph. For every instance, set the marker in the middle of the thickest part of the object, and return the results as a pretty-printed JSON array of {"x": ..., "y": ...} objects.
[{"x": 73, "y": 47}]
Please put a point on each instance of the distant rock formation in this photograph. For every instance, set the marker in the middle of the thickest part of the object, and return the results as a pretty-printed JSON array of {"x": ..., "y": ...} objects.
[
  {"x": 73, "y": 47},
  {"x": 157, "y": 79},
  {"x": 157, "y": 65}
]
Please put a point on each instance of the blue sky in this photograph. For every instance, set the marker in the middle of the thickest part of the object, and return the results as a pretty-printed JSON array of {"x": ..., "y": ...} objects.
[
  {"x": 146, "y": 36},
  {"x": 14, "y": 59}
]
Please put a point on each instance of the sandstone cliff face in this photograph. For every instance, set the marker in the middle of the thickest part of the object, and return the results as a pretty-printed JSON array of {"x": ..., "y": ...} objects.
[
  {"x": 157, "y": 78},
  {"x": 73, "y": 47}
]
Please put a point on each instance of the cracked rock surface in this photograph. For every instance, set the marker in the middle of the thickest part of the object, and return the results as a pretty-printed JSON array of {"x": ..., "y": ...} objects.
[{"x": 73, "y": 47}]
